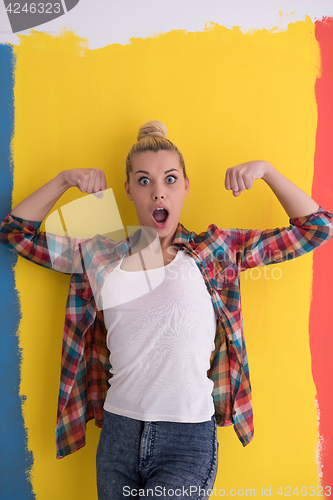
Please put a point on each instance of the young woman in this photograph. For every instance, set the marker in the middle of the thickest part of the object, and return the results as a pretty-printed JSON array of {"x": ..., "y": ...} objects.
[{"x": 169, "y": 330}]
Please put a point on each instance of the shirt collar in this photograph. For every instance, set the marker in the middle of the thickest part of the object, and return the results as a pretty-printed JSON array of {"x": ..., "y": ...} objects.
[{"x": 183, "y": 236}]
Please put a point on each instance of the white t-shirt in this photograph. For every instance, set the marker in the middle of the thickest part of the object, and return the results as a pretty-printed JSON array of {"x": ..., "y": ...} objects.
[{"x": 161, "y": 327}]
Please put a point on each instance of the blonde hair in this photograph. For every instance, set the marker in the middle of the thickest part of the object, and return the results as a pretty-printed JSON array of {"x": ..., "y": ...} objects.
[{"x": 152, "y": 137}]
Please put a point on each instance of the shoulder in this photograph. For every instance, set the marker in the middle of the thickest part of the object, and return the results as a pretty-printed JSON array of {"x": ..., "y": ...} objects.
[{"x": 217, "y": 236}]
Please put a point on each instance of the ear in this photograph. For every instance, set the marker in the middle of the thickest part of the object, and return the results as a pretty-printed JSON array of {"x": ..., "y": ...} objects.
[
  {"x": 187, "y": 185},
  {"x": 128, "y": 192}
]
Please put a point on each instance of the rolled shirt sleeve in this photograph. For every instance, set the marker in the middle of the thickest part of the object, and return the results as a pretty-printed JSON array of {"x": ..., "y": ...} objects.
[
  {"x": 271, "y": 246},
  {"x": 60, "y": 253}
]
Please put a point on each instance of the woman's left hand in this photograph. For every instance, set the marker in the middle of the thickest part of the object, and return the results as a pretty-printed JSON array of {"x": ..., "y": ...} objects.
[{"x": 242, "y": 176}]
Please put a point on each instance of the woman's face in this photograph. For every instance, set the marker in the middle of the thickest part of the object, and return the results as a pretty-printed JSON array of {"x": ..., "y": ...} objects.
[{"x": 157, "y": 179}]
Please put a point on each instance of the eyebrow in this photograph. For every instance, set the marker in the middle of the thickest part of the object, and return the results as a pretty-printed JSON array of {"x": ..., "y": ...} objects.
[{"x": 166, "y": 172}]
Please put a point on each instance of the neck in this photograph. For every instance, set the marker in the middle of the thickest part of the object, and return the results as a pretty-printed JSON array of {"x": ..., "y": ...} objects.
[{"x": 150, "y": 241}]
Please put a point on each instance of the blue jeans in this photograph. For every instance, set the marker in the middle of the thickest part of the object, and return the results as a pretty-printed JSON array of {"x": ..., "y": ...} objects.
[{"x": 165, "y": 460}]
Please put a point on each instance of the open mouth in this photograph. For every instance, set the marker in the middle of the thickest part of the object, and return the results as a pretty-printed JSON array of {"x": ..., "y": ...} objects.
[{"x": 160, "y": 216}]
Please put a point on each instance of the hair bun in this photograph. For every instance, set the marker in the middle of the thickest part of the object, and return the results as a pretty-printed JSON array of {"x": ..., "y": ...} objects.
[{"x": 152, "y": 129}]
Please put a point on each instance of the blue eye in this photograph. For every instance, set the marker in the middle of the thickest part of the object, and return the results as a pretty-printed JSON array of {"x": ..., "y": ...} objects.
[
  {"x": 141, "y": 180},
  {"x": 172, "y": 177}
]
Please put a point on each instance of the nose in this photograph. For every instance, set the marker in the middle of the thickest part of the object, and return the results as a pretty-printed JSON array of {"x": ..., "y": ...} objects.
[{"x": 158, "y": 192}]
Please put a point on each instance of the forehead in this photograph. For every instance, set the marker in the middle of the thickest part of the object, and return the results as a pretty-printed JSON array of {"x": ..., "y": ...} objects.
[{"x": 155, "y": 162}]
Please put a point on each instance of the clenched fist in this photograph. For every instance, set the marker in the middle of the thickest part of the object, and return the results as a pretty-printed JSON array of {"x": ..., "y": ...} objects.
[
  {"x": 88, "y": 180},
  {"x": 242, "y": 176}
]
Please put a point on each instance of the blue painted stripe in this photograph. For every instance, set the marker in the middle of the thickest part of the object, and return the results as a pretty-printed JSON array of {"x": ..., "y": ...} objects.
[{"x": 15, "y": 459}]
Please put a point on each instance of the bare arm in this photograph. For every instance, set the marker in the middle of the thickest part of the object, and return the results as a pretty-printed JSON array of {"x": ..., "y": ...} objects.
[
  {"x": 36, "y": 206},
  {"x": 293, "y": 199}
]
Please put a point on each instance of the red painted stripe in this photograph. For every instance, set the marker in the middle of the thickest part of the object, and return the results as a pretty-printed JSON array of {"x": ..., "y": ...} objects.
[{"x": 321, "y": 320}]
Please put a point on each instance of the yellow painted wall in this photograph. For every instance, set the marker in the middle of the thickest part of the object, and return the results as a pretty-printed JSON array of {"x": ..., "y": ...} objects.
[{"x": 225, "y": 97}]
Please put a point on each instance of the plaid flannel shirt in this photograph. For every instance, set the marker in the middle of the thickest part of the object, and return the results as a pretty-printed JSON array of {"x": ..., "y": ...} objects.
[{"x": 220, "y": 254}]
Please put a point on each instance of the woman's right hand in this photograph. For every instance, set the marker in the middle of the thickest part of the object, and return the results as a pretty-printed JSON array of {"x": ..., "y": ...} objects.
[{"x": 88, "y": 180}]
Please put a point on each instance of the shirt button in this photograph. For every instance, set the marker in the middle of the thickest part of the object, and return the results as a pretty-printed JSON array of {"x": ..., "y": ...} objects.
[{"x": 234, "y": 412}]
